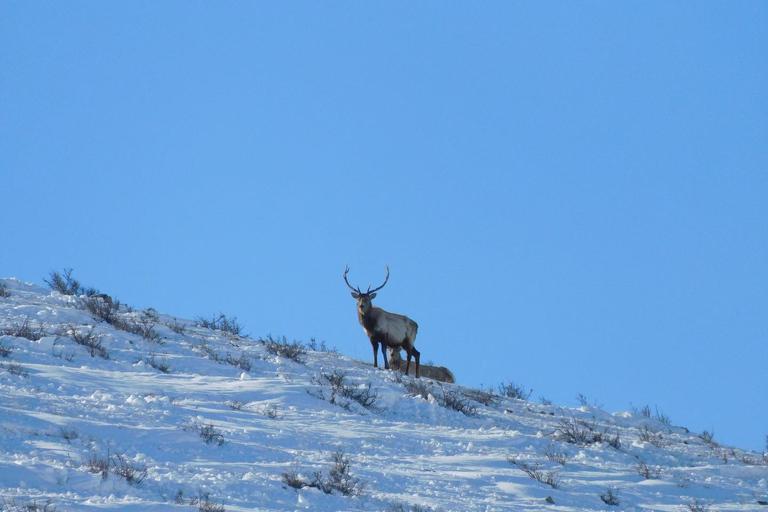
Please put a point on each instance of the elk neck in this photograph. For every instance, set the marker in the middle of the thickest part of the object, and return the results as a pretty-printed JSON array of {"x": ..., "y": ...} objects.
[{"x": 368, "y": 320}]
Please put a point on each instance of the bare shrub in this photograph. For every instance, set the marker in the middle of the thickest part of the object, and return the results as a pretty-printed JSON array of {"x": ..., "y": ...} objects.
[
  {"x": 659, "y": 416},
  {"x": 271, "y": 411},
  {"x": 24, "y": 329},
  {"x": 221, "y": 323},
  {"x": 107, "y": 311},
  {"x": 555, "y": 454},
  {"x": 709, "y": 439},
  {"x": 748, "y": 458},
  {"x": 5, "y": 292},
  {"x": 16, "y": 369},
  {"x": 453, "y": 400},
  {"x": 117, "y": 464},
  {"x": 583, "y": 401},
  {"x": 653, "y": 436},
  {"x": 159, "y": 365},
  {"x": 400, "y": 507},
  {"x": 295, "y": 351},
  {"x": 64, "y": 283},
  {"x": 26, "y": 506},
  {"x": 86, "y": 338},
  {"x": 481, "y": 396},
  {"x": 235, "y": 404},
  {"x": 98, "y": 464},
  {"x": 210, "y": 352},
  {"x": 144, "y": 326},
  {"x": 341, "y": 387},
  {"x": 512, "y": 390},
  {"x": 313, "y": 346},
  {"x": 648, "y": 472},
  {"x": 5, "y": 351},
  {"x": 611, "y": 497},
  {"x": 204, "y": 503},
  {"x": 211, "y": 435},
  {"x": 123, "y": 468},
  {"x": 645, "y": 411},
  {"x": 695, "y": 506},
  {"x": 176, "y": 327},
  {"x": 449, "y": 398},
  {"x": 292, "y": 478},
  {"x": 338, "y": 477},
  {"x": 583, "y": 433},
  {"x": 663, "y": 418},
  {"x": 59, "y": 352},
  {"x": 68, "y": 435},
  {"x": 551, "y": 478},
  {"x": 418, "y": 387},
  {"x": 208, "y": 433},
  {"x": 243, "y": 362}
]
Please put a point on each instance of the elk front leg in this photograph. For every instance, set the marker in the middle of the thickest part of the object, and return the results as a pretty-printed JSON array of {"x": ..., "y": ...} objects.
[
  {"x": 375, "y": 345},
  {"x": 384, "y": 345},
  {"x": 384, "y": 355}
]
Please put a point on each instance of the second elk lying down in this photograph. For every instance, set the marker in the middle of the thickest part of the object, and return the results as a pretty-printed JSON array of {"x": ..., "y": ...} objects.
[
  {"x": 439, "y": 373},
  {"x": 389, "y": 329}
]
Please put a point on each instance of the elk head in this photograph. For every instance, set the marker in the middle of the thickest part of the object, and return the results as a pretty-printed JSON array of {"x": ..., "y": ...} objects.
[{"x": 364, "y": 298}]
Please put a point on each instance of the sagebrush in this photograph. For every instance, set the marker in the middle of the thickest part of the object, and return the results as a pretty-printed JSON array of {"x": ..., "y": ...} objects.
[
  {"x": 337, "y": 478},
  {"x": 280, "y": 346},
  {"x": 221, "y": 322}
]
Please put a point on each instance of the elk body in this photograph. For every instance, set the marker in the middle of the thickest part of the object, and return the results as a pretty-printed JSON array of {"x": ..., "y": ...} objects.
[
  {"x": 385, "y": 328},
  {"x": 439, "y": 373}
]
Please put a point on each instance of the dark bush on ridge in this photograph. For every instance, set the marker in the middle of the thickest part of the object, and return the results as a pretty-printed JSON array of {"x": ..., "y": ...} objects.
[
  {"x": 512, "y": 390},
  {"x": 65, "y": 284},
  {"x": 221, "y": 323}
]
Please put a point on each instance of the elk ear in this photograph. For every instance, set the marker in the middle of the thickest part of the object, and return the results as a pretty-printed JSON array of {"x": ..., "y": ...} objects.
[
  {"x": 372, "y": 296},
  {"x": 355, "y": 295}
]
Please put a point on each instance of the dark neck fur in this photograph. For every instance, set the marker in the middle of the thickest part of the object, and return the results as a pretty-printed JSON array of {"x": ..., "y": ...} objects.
[{"x": 368, "y": 321}]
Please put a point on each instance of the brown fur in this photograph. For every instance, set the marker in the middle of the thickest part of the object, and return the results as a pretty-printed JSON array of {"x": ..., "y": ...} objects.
[{"x": 439, "y": 373}]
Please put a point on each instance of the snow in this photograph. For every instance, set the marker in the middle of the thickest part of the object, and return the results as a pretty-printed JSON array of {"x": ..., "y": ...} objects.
[{"x": 61, "y": 407}]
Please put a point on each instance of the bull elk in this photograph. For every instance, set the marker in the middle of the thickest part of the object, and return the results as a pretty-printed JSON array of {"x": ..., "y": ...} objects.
[{"x": 389, "y": 329}]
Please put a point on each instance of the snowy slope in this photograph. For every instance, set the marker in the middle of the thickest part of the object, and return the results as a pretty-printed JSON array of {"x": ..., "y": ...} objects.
[{"x": 62, "y": 410}]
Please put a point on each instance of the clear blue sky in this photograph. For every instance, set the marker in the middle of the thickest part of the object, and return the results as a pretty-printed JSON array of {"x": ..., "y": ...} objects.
[{"x": 573, "y": 196}]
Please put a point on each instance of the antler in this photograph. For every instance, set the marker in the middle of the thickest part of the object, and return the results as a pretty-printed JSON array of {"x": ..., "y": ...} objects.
[
  {"x": 357, "y": 290},
  {"x": 380, "y": 287}
]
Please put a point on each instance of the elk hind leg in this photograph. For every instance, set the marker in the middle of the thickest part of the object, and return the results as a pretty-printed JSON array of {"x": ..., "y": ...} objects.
[{"x": 416, "y": 356}]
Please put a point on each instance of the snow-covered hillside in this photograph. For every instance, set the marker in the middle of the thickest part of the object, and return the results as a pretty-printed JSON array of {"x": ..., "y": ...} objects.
[{"x": 150, "y": 412}]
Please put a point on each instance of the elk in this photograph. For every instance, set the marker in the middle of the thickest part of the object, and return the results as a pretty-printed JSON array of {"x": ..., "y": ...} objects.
[
  {"x": 439, "y": 373},
  {"x": 389, "y": 329}
]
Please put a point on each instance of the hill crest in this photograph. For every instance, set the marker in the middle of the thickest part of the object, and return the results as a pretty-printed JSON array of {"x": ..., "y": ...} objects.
[{"x": 140, "y": 410}]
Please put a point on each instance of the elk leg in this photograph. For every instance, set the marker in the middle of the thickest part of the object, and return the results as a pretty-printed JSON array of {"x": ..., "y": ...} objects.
[
  {"x": 384, "y": 345},
  {"x": 384, "y": 355},
  {"x": 407, "y": 360},
  {"x": 416, "y": 357},
  {"x": 375, "y": 345}
]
